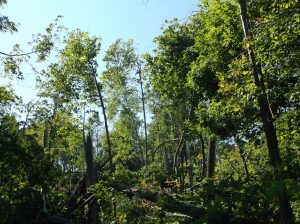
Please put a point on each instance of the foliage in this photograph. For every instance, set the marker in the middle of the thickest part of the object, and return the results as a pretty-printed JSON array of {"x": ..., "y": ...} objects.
[
  {"x": 25, "y": 169},
  {"x": 5, "y": 24},
  {"x": 205, "y": 115}
]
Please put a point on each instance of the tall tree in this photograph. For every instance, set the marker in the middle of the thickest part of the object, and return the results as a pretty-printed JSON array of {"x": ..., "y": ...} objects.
[
  {"x": 120, "y": 85},
  {"x": 267, "y": 119},
  {"x": 139, "y": 72}
]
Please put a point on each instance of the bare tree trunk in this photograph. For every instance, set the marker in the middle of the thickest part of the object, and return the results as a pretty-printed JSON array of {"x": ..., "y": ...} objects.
[
  {"x": 202, "y": 146},
  {"x": 145, "y": 121},
  {"x": 211, "y": 157},
  {"x": 51, "y": 131},
  {"x": 137, "y": 144},
  {"x": 181, "y": 166},
  {"x": 268, "y": 123},
  {"x": 88, "y": 150},
  {"x": 178, "y": 151},
  {"x": 190, "y": 166},
  {"x": 168, "y": 164},
  {"x": 242, "y": 155},
  {"x": 46, "y": 135},
  {"x": 92, "y": 216},
  {"x": 166, "y": 201},
  {"x": 99, "y": 90},
  {"x": 105, "y": 121}
]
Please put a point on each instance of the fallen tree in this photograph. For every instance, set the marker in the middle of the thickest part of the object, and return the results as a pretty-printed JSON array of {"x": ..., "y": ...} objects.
[{"x": 165, "y": 201}]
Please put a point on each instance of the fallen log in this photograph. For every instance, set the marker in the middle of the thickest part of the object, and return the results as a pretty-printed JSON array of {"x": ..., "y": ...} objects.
[
  {"x": 52, "y": 220},
  {"x": 44, "y": 217},
  {"x": 165, "y": 201},
  {"x": 172, "y": 205}
]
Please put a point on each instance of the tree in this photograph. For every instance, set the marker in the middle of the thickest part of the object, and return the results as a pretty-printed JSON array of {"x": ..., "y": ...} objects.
[
  {"x": 267, "y": 119},
  {"x": 120, "y": 87},
  {"x": 73, "y": 81},
  {"x": 5, "y": 24},
  {"x": 217, "y": 70},
  {"x": 25, "y": 168},
  {"x": 139, "y": 72}
]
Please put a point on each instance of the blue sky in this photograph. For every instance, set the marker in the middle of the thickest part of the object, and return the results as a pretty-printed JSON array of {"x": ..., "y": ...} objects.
[{"x": 109, "y": 19}]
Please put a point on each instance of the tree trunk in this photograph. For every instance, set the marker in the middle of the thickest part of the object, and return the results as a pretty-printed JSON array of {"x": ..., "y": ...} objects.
[
  {"x": 202, "y": 146},
  {"x": 46, "y": 135},
  {"x": 92, "y": 216},
  {"x": 168, "y": 163},
  {"x": 178, "y": 151},
  {"x": 79, "y": 196},
  {"x": 145, "y": 121},
  {"x": 242, "y": 155},
  {"x": 190, "y": 166},
  {"x": 52, "y": 131},
  {"x": 105, "y": 123},
  {"x": 134, "y": 127},
  {"x": 182, "y": 173},
  {"x": 267, "y": 119},
  {"x": 211, "y": 157},
  {"x": 88, "y": 150},
  {"x": 107, "y": 136},
  {"x": 167, "y": 202}
]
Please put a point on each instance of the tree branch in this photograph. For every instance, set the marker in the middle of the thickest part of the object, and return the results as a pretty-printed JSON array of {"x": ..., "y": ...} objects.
[
  {"x": 17, "y": 55},
  {"x": 161, "y": 144}
]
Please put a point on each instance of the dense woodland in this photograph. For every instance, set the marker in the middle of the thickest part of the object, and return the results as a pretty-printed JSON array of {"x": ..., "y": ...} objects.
[{"x": 204, "y": 129}]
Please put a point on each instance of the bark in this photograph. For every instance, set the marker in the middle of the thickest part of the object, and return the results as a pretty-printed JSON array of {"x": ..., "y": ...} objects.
[
  {"x": 79, "y": 196},
  {"x": 105, "y": 120},
  {"x": 43, "y": 217},
  {"x": 178, "y": 151},
  {"x": 163, "y": 143},
  {"x": 242, "y": 155},
  {"x": 172, "y": 205},
  {"x": 137, "y": 145},
  {"x": 53, "y": 220},
  {"x": 92, "y": 216},
  {"x": 88, "y": 150},
  {"x": 46, "y": 135},
  {"x": 182, "y": 159},
  {"x": 203, "y": 158},
  {"x": 190, "y": 166},
  {"x": 145, "y": 121},
  {"x": 76, "y": 197},
  {"x": 52, "y": 131},
  {"x": 211, "y": 157},
  {"x": 267, "y": 119},
  {"x": 168, "y": 161}
]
